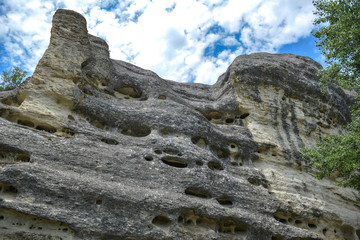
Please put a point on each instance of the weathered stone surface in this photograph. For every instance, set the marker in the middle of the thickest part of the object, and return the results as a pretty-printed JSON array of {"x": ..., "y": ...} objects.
[{"x": 95, "y": 148}]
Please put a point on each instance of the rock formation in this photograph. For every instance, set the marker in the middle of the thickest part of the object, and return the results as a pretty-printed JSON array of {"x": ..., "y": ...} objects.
[{"x": 95, "y": 148}]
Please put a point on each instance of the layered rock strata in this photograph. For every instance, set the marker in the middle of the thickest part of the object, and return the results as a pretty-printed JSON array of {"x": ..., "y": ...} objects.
[{"x": 96, "y": 148}]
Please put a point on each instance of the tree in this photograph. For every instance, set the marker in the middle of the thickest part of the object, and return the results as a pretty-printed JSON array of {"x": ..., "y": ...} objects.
[
  {"x": 338, "y": 34},
  {"x": 339, "y": 155},
  {"x": 12, "y": 78}
]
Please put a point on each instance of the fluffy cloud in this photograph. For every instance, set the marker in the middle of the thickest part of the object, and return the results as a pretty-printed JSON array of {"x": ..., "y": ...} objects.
[{"x": 182, "y": 40}]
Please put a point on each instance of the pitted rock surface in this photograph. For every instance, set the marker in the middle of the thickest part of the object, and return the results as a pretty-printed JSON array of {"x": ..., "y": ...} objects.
[{"x": 96, "y": 148}]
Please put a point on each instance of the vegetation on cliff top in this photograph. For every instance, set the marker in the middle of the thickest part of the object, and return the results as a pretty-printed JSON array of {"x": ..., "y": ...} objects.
[
  {"x": 338, "y": 34},
  {"x": 12, "y": 78}
]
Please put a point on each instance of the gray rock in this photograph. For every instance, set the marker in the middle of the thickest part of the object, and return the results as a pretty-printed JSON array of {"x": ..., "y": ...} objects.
[{"x": 96, "y": 148}]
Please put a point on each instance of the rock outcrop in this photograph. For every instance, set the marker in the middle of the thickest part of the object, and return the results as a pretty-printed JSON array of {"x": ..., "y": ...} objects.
[{"x": 96, "y": 148}]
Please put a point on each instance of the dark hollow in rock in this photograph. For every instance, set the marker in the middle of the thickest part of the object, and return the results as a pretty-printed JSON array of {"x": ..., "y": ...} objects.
[
  {"x": 197, "y": 192},
  {"x": 215, "y": 165},
  {"x": 46, "y": 128},
  {"x": 8, "y": 189},
  {"x": 161, "y": 220},
  {"x": 110, "y": 141},
  {"x": 137, "y": 131},
  {"x": 26, "y": 123},
  {"x": 224, "y": 201},
  {"x": 254, "y": 181},
  {"x": 148, "y": 158},
  {"x": 13, "y": 155},
  {"x": 174, "y": 162},
  {"x": 129, "y": 91},
  {"x": 245, "y": 115}
]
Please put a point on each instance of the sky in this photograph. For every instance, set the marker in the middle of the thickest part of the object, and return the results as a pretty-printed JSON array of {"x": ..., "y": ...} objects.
[{"x": 180, "y": 40}]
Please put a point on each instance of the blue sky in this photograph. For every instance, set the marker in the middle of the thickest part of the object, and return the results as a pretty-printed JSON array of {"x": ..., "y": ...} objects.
[{"x": 181, "y": 40}]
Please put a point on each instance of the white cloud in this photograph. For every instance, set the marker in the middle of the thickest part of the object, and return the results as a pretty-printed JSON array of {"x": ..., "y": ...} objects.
[
  {"x": 170, "y": 37},
  {"x": 230, "y": 41}
]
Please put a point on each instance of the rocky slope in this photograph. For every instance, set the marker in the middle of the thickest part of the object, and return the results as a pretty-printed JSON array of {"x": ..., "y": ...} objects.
[{"x": 96, "y": 148}]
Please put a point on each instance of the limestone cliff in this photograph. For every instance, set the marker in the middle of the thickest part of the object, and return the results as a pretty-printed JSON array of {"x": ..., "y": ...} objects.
[{"x": 96, "y": 148}]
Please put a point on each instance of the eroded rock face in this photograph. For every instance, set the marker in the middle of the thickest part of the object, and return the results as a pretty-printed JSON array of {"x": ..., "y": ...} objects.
[{"x": 95, "y": 148}]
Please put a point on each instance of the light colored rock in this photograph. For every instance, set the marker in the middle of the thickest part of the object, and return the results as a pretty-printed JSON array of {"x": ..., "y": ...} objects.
[{"x": 107, "y": 150}]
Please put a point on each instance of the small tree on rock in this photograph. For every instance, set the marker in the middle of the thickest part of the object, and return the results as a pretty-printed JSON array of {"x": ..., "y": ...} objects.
[{"x": 12, "y": 78}]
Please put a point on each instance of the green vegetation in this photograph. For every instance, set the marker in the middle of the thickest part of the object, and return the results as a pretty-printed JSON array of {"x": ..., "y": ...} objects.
[
  {"x": 339, "y": 156},
  {"x": 12, "y": 78},
  {"x": 338, "y": 34}
]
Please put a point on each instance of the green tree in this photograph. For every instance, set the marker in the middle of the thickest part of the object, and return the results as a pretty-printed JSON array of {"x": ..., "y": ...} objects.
[
  {"x": 338, "y": 37},
  {"x": 12, "y": 78}
]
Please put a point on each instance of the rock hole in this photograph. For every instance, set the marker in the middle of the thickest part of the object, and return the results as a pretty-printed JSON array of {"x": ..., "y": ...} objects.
[
  {"x": 14, "y": 156},
  {"x": 162, "y": 97},
  {"x": 12, "y": 102},
  {"x": 97, "y": 124},
  {"x": 215, "y": 115},
  {"x": 174, "y": 162},
  {"x": 157, "y": 151},
  {"x": 161, "y": 220},
  {"x": 324, "y": 231},
  {"x": 99, "y": 202},
  {"x": 224, "y": 201},
  {"x": 222, "y": 154},
  {"x": 164, "y": 132},
  {"x": 312, "y": 225},
  {"x": 149, "y": 158},
  {"x": 110, "y": 141},
  {"x": 230, "y": 226},
  {"x": 8, "y": 189},
  {"x": 46, "y": 128},
  {"x": 104, "y": 83},
  {"x": 70, "y": 117},
  {"x": 137, "y": 131},
  {"x": 282, "y": 220},
  {"x": 199, "y": 163},
  {"x": 198, "y": 141},
  {"x": 68, "y": 132},
  {"x": 254, "y": 181},
  {"x": 26, "y": 123},
  {"x": 172, "y": 151},
  {"x": 197, "y": 192},
  {"x": 130, "y": 91},
  {"x": 229, "y": 120},
  {"x": 245, "y": 115},
  {"x": 213, "y": 165},
  {"x": 298, "y": 221},
  {"x": 1, "y": 217}
]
